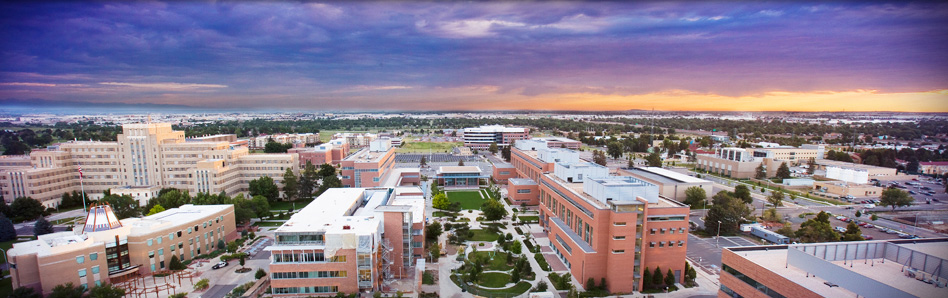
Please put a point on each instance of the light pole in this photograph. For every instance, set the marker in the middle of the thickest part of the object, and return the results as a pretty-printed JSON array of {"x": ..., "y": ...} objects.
[{"x": 717, "y": 239}]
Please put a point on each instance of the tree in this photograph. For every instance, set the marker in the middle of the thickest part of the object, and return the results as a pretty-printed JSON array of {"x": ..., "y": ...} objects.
[
  {"x": 743, "y": 193},
  {"x": 690, "y": 273},
  {"x": 308, "y": 180},
  {"x": 505, "y": 152},
  {"x": 894, "y": 197},
  {"x": 696, "y": 197},
  {"x": 264, "y": 186},
  {"x": 657, "y": 277},
  {"x": 243, "y": 260},
  {"x": 67, "y": 290},
  {"x": 614, "y": 149},
  {"x": 156, "y": 209},
  {"x": 516, "y": 247},
  {"x": 7, "y": 231},
  {"x": 175, "y": 264},
  {"x": 492, "y": 148},
  {"x": 646, "y": 279},
  {"x": 326, "y": 170},
  {"x": 670, "y": 278},
  {"x": 858, "y": 213},
  {"x": 771, "y": 215},
  {"x": 291, "y": 185},
  {"x": 423, "y": 162},
  {"x": 493, "y": 210},
  {"x": 4, "y": 208},
  {"x": 817, "y": 229},
  {"x": 760, "y": 173},
  {"x": 42, "y": 227},
  {"x": 24, "y": 292},
  {"x": 786, "y": 230},
  {"x": 106, "y": 291},
  {"x": 874, "y": 217},
  {"x": 123, "y": 206},
  {"x": 599, "y": 157},
  {"x": 440, "y": 201},
  {"x": 221, "y": 244},
  {"x": 775, "y": 198},
  {"x": 274, "y": 147},
  {"x": 654, "y": 160},
  {"x": 260, "y": 273},
  {"x": 433, "y": 231},
  {"x": 331, "y": 181},
  {"x": 783, "y": 172},
  {"x": 811, "y": 166},
  {"x": 727, "y": 210},
  {"x": 460, "y": 162},
  {"x": 26, "y": 208},
  {"x": 852, "y": 233}
]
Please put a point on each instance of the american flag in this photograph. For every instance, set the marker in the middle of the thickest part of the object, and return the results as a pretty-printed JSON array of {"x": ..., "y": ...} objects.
[{"x": 80, "y": 171}]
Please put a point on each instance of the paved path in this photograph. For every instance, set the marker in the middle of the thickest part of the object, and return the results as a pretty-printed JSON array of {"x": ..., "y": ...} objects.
[{"x": 218, "y": 291}]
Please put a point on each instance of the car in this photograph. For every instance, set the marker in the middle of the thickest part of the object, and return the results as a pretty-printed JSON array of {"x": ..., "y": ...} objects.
[
  {"x": 890, "y": 231},
  {"x": 928, "y": 194},
  {"x": 869, "y": 226},
  {"x": 905, "y": 236},
  {"x": 863, "y": 224},
  {"x": 840, "y": 229},
  {"x": 219, "y": 265},
  {"x": 850, "y": 208},
  {"x": 934, "y": 199},
  {"x": 867, "y": 237},
  {"x": 912, "y": 192}
]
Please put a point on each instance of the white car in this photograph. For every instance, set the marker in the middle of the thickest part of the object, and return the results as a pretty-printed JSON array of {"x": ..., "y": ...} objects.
[{"x": 869, "y": 206}]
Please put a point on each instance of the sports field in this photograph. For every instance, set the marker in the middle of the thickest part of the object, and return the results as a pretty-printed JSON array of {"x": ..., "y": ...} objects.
[
  {"x": 468, "y": 199},
  {"x": 425, "y": 147}
]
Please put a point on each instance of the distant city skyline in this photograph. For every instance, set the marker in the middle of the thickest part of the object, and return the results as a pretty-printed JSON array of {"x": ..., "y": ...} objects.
[{"x": 366, "y": 56}]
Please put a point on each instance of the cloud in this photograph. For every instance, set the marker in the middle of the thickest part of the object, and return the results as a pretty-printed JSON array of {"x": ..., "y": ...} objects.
[{"x": 164, "y": 86}]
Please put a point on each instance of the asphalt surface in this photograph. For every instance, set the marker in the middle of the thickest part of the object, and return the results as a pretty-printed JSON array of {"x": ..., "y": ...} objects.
[
  {"x": 218, "y": 291},
  {"x": 706, "y": 252}
]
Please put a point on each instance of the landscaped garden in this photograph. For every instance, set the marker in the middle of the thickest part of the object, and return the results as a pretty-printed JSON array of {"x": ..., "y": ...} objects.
[
  {"x": 496, "y": 273},
  {"x": 471, "y": 200}
]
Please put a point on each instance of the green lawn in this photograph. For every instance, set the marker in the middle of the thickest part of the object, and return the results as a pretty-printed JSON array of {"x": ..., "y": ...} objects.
[
  {"x": 529, "y": 218},
  {"x": 6, "y": 287},
  {"x": 469, "y": 199},
  {"x": 494, "y": 279},
  {"x": 499, "y": 262},
  {"x": 269, "y": 223},
  {"x": 425, "y": 147},
  {"x": 286, "y": 205},
  {"x": 518, "y": 289},
  {"x": 484, "y": 235},
  {"x": 443, "y": 214}
]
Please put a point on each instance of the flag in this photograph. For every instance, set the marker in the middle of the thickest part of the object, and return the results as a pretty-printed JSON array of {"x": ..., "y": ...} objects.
[{"x": 80, "y": 171}]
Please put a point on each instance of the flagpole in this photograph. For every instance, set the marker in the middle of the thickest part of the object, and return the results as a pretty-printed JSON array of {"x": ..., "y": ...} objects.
[{"x": 82, "y": 188}]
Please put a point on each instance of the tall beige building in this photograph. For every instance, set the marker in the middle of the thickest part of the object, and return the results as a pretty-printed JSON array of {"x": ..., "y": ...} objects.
[{"x": 145, "y": 155}]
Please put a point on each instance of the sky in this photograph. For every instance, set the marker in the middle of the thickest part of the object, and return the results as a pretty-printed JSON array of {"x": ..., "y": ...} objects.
[{"x": 378, "y": 56}]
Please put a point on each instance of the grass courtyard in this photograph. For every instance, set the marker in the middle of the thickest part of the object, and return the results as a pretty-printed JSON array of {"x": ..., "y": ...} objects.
[
  {"x": 425, "y": 147},
  {"x": 494, "y": 279},
  {"x": 498, "y": 262},
  {"x": 469, "y": 199}
]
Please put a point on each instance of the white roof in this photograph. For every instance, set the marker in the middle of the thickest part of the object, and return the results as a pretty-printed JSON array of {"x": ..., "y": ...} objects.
[
  {"x": 494, "y": 128},
  {"x": 459, "y": 169},
  {"x": 322, "y": 212},
  {"x": 674, "y": 175},
  {"x": 182, "y": 216}
]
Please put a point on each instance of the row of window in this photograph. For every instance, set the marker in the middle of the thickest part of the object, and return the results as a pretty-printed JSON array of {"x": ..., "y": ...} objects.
[
  {"x": 670, "y": 231},
  {"x": 306, "y": 290},
  {"x": 306, "y": 257},
  {"x": 309, "y": 274},
  {"x": 171, "y": 236},
  {"x": 95, "y": 270},
  {"x": 750, "y": 281},
  {"x": 670, "y": 243},
  {"x": 82, "y": 259}
]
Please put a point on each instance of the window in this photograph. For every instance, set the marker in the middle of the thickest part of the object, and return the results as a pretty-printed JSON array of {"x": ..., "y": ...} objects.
[
  {"x": 661, "y": 244},
  {"x": 80, "y": 259},
  {"x": 651, "y": 244},
  {"x": 95, "y": 269},
  {"x": 170, "y": 236},
  {"x": 151, "y": 254},
  {"x": 681, "y": 230},
  {"x": 652, "y": 231},
  {"x": 82, "y": 272},
  {"x": 159, "y": 240},
  {"x": 94, "y": 256},
  {"x": 618, "y": 237},
  {"x": 681, "y": 243},
  {"x": 621, "y": 224},
  {"x": 523, "y": 191},
  {"x": 149, "y": 242},
  {"x": 671, "y": 243},
  {"x": 618, "y": 251},
  {"x": 161, "y": 252},
  {"x": 663, "y": 231}
]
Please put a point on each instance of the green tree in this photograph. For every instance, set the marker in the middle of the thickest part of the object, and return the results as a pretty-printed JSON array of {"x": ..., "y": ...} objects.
[
  {"x": 783, "y": 172},
  {"x": 26, "y": 208},
  {"x": 106, "y": 291},
  {"x": 654, "y": 160},
  {"x": 274, "y": 147},
  {"x": 7, "y": 231},
  {"x": 42, "y": 227},
  {"x": 858, "y": 213},
  {"x": 460, "y": 162},
  {"x": 308, "y": 180},
  {"x": 260, "y": 273},
  {"x": 727, "y": 210},
  {"x": 786, "y": 230},
  {"x": 221, "y": 244},
  {"x": 505, "y": 152},
  {"x": 155, "y": 210},
  {"x": 696, "y": 197},
  {"x": 67, "y": 290},
  {"x": 175, "y": 264},
  {"x": 771, "y": 215},
  {"x": 492, "y": 148},
  {"x": 775, "y": 198},
  {"x": 874, "y": 217},
  {"x": 4, "y": 208},
  {"x": 433, "y": 231},
  {"x": 123, "y": 206},
  {"x": 599, "y": 157},
  {"x": 264, "y": 186},
  {"x": 242, "y": 260},
  {"x": 493, "y": 210},
  {"x": 516, "y": 247},
  {"x": 894, "y": 197},
  {"x": 614, "y": 149},
  {"x": 852, "y": 233},
  {"x": 326, "y": 170},
  {"x": 331, "y": 181},
  {"x": 690, "y": 273},
  {"x": 25, "y": 292},
  {"x": 646, "y": 279},
  {"x": 423, "y": 162},
  {"x": 440, "y": 201},
  {"x": 811, "y": 166},
  {"x": 817, "y": 229},
  {"x": 670, "y": 278},
  {"x": 291, "y": 185},
  {"x": 657, "y": 277},
  {"x": 760, "y": 173},
  {"x": 743, "y": 193}
]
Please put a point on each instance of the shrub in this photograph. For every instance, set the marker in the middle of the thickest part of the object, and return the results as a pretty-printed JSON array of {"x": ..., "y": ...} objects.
[
  {"x": 260, "y": 273},
  {"x": 541, "y": 261},
  {"x": 202, "y": 284}
]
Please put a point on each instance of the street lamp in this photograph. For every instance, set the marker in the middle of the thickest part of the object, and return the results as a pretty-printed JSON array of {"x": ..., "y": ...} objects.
[{"x": 717, "y": 239}]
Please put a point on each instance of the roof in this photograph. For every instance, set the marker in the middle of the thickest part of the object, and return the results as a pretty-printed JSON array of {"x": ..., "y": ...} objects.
[
  {"x": 181, "y": 216},
  {"x": 459, "y": 169},
  {"x": 322, "y": 212},
  {"x": 503, "y": 165},
  {"x": 494, "y": 128},
  {"x": 664, "y": 175},
  {"x": 366, "y": 155},
  {"x": 521, "y": 181}
]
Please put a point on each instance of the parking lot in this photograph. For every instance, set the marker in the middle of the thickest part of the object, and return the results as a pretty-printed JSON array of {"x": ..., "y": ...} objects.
[
  {"x": 923, "y": 190},
  {"x": 706, "y": 252}
]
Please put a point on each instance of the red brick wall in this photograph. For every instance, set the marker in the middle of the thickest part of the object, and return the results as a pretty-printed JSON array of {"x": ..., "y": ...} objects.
[{"x": 762, "y": 275}]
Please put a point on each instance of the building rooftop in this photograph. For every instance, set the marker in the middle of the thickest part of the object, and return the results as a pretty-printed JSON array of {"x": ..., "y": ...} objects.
[
  {"x": 848, "y": 165},
  {"x": 366, "y": 155},
  {"x": 675, "y": 176},
  {"x": 503, "y": 166},
  {"x": 181, "y": 216},
  {"x": 322, "y": 212},
  {"x": 493, "y": 129},
  {"x": 458, "y": 169},
  {"x": 521, "y": 181}
]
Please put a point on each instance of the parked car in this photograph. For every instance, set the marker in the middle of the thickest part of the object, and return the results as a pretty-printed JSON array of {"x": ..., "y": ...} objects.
[
  {"x": 867, "y": 237},
  {"x": 219, "y": 265},
  {"x": 905, "y": 236},
  {"x": 840, "y": 229},
  {"x": 912, "y": 192},
  {"x": 890, "y": 231}
]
